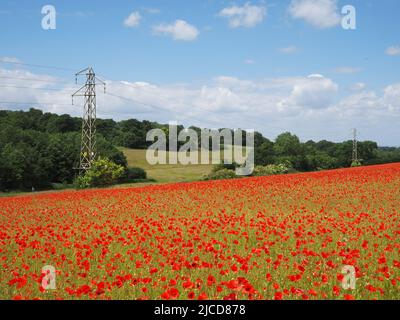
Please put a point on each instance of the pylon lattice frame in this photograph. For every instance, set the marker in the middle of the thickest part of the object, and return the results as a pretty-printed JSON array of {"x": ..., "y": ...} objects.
[
  {"x": 355, "y": 147},
  {"x": 88, "y": 139}
]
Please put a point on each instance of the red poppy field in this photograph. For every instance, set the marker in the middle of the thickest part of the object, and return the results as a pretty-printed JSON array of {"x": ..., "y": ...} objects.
[{"x": 281, "y": 237}]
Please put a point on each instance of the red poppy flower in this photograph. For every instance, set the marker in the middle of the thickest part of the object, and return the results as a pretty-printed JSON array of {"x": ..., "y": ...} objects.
[
  {"x": 210, "y": 280},
  {"x": 278, "y": 296},
  {"x": 202, "y": 296}
]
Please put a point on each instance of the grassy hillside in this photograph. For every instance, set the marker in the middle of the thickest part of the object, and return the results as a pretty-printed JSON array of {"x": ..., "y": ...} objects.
[
  {"x": 172, "y": 173},
  {"x": 165, "y": 173}
]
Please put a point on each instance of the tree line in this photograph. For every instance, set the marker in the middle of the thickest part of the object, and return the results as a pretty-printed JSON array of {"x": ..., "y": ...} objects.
[{"x": 38, "y": 149}]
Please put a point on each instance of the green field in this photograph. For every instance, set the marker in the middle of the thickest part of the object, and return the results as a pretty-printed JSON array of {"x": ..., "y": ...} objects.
[
  {"x": 166, "y": 173},
  {"x": 173, "y": 172}
]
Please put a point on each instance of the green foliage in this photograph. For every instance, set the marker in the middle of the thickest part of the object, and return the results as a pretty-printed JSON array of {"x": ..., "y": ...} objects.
[
  {"x": 133, "y": 174},
  {"x": 39, "y": 149},
  {"x": 321, "y": 161},
  {"x": 228, "y": 166},
  {"x": 271, "y": 169},
  {"x": 102, "y": 173},
  {"x": 356, "y": 164},
  {"x": 288, "y": 145},
  {"x": 264, "y": 153},
  {"x": 107, "y": 150},
  {"x": 222, "y": 174},
  {"x": 385, "y": 155},
  {"x": 288, "y": 148}
]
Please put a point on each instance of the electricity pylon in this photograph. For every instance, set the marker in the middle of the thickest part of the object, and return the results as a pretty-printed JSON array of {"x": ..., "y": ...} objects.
[
  {"x": 355, "y": 147},
  {"x": 88, "y": 140},
  {"x": 355, "y": 161}
]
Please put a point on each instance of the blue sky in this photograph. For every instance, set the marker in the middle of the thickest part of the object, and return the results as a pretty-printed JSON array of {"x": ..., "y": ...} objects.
[{"x": 218, "y": 63}]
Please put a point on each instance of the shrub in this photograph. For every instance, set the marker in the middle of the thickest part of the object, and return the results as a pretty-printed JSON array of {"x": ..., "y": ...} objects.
[
  {"x": 271, "y": 169},
  {"x": 102, "y": 173},
  {"x": 132, "y": 174},
  {"x": 356, "y": 164},
  {"x": 228, "y": 166},
  {"x": 222, "y": 174}
]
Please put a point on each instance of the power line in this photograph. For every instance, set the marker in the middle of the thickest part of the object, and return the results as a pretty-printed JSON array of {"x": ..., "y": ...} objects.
[
  {"x": 188, "y": 116},
  {"x": 164, "y": 109},
  {"x": 111, "y": 94},
  {"x": 138, "y": 102},
  {"x": 254, "y": 122},
  {"x": 31, "y": 79},
  {"x": 35, "y": 65},
  {"x": 34, "y": 103},
  {"x": 33, "y": 88},
  {"x": 148, "y": 105}
]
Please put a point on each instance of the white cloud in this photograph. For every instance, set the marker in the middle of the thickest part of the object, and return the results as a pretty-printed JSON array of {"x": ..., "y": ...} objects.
[
  {"x": 9, "y": 60},
  {"x": 318, "y": 13},
  {"x": 358, "y": 86},
  {"x": 315, "y": 92},
  {"x": 312, "y": 106},
  {"x": 179, "y": 30},
  {"x": 133, "y": 20},
  {"x": 393, "y": 51},
  {"x": 83, "y": 14},
  {"x": 217, "y": 99},
  {"x": 20, "y": 87},
  {"x": 364, "y": 101},
  {"x": 246, "y": 16},
  {"x": 347, "y": 70},
  {"x": 241, "y": 85},
  {"x": 309, "y": 106},
  {"x": 288, "y": 50},
  {"x": 392, "y": 96},
  {"x": 249, "y": 61}
]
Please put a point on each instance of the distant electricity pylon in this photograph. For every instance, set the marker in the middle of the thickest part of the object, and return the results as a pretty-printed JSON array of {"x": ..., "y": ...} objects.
[
  {"x": 355, "y": 147},
  {"x": 88, "y": 142}
]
